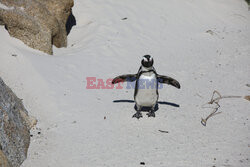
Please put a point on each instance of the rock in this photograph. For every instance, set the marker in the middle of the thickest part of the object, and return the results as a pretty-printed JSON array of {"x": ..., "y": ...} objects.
[
  {"x": 247, "y": 98},
  {"x": 14, "y": 128},
  {"x": 3, "y": 160},
  {"x": 38, "y": 23},
  {"x": 142, "y": 163}
]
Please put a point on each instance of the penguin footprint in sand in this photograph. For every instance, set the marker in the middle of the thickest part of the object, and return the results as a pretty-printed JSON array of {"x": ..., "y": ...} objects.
[{"x": 146, "y": 86}]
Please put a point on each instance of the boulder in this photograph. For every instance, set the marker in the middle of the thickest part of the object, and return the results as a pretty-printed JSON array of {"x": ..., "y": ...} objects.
[
  {"x": 3, "y": 160},
  {"x": 38, "y": 23},
  {"x": 15, "y": 124}
]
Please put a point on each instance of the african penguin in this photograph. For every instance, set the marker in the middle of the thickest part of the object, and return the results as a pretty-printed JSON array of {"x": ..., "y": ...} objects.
[{"x": 146, "y": 86}]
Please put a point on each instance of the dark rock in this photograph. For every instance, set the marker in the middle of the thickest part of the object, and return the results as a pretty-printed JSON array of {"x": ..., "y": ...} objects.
[
  {"x": 142, "y": 163},
  {"x": 3, "y": 160},
  {"x": 14, "y": 128}
]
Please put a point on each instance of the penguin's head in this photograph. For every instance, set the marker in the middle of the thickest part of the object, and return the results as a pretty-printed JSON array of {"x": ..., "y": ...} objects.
[{"x": 147, "y": 61}]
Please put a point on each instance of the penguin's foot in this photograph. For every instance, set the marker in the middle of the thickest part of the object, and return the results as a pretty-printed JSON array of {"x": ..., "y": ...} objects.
[
  {"x": 151, "y": 114},
  {"x": 137, "y": 115}
]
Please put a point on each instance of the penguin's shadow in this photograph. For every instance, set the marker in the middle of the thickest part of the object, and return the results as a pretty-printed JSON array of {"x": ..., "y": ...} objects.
[{"x": 148, "y": 108}]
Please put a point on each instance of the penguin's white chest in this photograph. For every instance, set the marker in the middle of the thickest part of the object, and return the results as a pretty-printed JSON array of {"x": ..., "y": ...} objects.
[{"x": 147, "y": 90}]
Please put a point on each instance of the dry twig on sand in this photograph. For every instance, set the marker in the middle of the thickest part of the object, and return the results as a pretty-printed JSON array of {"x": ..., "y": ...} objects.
[{"x": 216, "y": 102}]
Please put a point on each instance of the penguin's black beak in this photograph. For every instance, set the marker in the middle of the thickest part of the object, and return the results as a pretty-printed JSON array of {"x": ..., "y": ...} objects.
[{"x": 147, "y": 57}]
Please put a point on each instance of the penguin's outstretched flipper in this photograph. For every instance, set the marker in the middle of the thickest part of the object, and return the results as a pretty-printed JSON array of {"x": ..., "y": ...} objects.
[
  {"x": 168, "y": 80},
  {"x": 125, "y": 78}
]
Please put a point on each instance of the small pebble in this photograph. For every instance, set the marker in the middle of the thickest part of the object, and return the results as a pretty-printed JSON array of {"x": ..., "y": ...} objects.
[{"x": 210, "y": 32}]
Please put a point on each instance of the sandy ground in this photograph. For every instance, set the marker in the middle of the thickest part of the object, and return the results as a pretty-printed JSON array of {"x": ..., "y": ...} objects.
[{"x": 202, "y": 44}]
